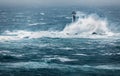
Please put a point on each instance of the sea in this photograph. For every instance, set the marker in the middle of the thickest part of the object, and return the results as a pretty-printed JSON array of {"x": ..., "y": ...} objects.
[{"x": 46, "y": 42}]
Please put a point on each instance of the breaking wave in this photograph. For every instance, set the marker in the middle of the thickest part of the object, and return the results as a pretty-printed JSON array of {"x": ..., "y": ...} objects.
[
  {"x": 83, "y": 27},
  {"x": 35, "y": 65},
  {"x": 87, "y": 24}
]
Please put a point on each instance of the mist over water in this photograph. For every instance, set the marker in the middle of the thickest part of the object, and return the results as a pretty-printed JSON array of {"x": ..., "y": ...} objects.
[{"x": 45, "y": 42}]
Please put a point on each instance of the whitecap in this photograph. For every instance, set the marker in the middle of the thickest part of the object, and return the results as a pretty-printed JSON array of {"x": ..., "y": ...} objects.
[
  {"x": 68, "y": 17},
  {"x": 42, "y": 13},
  {"x": 65, "y": 59},
  {"x": 35, "y": 65},
  {"x": 66, "y": 48},
  {"x": 62, "y": 59},
  {"x": 108, "y": 67},
  {"x": 22, "y": 34},
  {"x": 80, "y": 54},
  {"x": 4, "y": 51},
  {"x": 109, "y": 54},
  {"x": 33, "y": 24}
]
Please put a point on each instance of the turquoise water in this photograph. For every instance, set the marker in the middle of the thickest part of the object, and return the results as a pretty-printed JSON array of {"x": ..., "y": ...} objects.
[{"x": 35, "y": 42}]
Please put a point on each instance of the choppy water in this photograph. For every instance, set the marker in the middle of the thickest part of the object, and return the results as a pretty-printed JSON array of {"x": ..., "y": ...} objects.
[{"x": 43, "y": 42}]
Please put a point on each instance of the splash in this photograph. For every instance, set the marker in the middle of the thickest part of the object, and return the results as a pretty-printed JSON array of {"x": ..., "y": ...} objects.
[{"x": 88, "y": 24}]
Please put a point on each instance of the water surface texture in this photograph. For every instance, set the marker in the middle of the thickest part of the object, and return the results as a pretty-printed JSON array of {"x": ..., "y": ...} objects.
[{"x": 45, "y": 42}]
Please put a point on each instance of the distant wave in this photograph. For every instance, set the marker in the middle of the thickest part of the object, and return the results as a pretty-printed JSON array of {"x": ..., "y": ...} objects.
[
  {"x": 34, "y": 24},
  {"x": 81, "y": 54},
  {"x": 42, "y": 13},
  {"x": 35, "y": 65},
  {"x": 59, "y": 58}
]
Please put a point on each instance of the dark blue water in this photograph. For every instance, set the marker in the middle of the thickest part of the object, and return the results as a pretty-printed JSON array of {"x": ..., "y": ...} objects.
[{"x": 57, "y": 56}]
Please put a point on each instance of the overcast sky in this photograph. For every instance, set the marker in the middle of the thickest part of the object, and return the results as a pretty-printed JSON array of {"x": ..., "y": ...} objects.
[{"x": 61, "y": 2}]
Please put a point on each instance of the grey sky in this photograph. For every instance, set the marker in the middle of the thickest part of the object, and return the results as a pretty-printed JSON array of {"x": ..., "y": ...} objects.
[{"x": 61, "y": 2}]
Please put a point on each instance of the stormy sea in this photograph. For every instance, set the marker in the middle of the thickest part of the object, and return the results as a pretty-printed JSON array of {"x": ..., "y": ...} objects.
[{"x": 45, "y": 41}]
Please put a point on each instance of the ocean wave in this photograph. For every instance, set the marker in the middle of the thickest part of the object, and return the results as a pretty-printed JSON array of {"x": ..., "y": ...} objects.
[
  {"x": 36, "y": 65},
  {"x": 81, "y": 28},
  {"x": 22, "y": 34},
  {"x": 4, "y": 51},
  {"x": 34, "y": 24},
  {"x": 68, "y": 17},
  {"x": 61, "y": 59},
  {"x": 5, "y": 54},
  {"x": 66, "y": 48},
  {"x": 42, "y": 13},
  {"x": 108, "y": 67},
  {"x": 110, "y": 54},
  {"x": 81, "y": 54}
]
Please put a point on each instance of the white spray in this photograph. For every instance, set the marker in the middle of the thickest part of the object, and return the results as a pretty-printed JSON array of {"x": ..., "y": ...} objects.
[{"x": 87, "y": 24}]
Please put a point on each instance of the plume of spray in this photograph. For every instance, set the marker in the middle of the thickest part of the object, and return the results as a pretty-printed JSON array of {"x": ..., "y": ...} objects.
[{"x": 88, "y": 24}]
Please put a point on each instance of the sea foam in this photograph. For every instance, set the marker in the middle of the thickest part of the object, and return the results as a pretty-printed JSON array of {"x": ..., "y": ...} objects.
[{"x": 83, "y": 27}]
